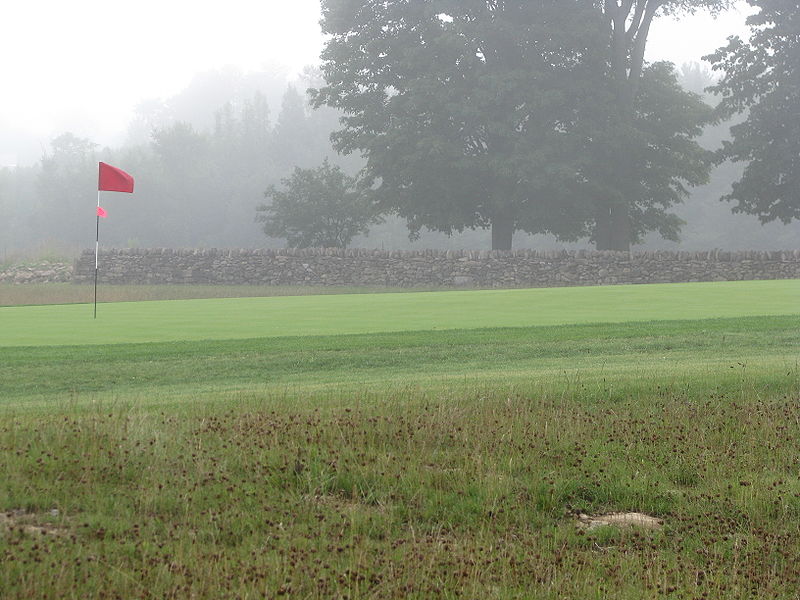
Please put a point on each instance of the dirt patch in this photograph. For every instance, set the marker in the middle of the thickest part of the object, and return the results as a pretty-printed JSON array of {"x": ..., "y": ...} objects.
[
  {"x": 621, "y": 520},
  {"x": 29, "y": 523}
]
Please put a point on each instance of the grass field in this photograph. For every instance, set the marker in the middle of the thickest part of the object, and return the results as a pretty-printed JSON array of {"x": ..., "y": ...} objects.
[{"x": 404, "y": 445}]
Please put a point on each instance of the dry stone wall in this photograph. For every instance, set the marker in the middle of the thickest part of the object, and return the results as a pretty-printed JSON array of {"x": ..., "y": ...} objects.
[
  {"x": 519, "y": 268},
  {"x": 37, "y": 273}
]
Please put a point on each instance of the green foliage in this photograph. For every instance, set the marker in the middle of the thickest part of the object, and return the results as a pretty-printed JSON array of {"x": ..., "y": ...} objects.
[
  {"x": 293, "y": 133},
  {"x": 514, "y": 115},
  {"x": 463, "y": 109},
  {"x": 320, "y": 207},
  {"x": 633, "y": 195},
  {"x": 679, "y": 7},
  {"x": 709, "y": 222},
  {"x": 762, "y": 80},
  {"x": 644, "y": 163}
]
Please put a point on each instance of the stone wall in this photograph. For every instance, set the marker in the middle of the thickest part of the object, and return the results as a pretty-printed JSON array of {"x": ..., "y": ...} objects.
[
  {"x": 520, "y": 268},
  {"x": 47, "y": 272}
]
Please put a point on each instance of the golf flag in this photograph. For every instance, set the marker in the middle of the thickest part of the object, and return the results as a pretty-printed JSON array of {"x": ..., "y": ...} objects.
[
  {"x": 112, "y": 179},
  {"x": 109, "y": 179}
]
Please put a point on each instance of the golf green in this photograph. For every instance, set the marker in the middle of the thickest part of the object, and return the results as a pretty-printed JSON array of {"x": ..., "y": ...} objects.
[{"x": 239, "y": 318}]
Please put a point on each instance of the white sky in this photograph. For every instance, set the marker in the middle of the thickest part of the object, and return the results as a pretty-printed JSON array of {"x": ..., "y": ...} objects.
[
  {"x": 83, "y": 65},
  {"x": 695, "y": 35}
]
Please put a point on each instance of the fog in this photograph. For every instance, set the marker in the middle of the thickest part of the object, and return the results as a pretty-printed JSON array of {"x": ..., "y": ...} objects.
[{"x": 207, "y": 109}]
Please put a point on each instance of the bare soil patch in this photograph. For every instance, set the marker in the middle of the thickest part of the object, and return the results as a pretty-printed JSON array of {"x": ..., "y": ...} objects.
[
  {"x": 622, "y": 520},
  {"x": 29, "y": 523}
]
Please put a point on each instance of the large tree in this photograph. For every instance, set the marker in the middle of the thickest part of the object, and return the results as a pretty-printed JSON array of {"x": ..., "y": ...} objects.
[
  {"x": 526, "y": 115},
  {"x": 762, "y": 79},
  {"x": 464, "y": 109}
]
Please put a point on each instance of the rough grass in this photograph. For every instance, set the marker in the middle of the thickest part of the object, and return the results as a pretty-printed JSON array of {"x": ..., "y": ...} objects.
[{"x": 424, "y": 495}]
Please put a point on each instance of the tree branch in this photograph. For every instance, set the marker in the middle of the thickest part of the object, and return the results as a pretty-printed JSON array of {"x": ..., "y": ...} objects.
[
  {"x": 636, "y": 21},
  {"x": 625, "y": 8},
  {"x": 640, "y": 43},
  {"x": 619, "y": 58}
]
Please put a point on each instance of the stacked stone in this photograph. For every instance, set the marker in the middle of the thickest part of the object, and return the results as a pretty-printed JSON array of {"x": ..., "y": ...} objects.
[
  {"x": 425, "y": 268},
  {"x": 37, "y": 273}
]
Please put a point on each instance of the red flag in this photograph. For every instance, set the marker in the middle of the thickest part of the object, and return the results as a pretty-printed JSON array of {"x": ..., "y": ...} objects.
[
  {"x": 113, "y": 179},
  {"x": 101, "y": 212}
]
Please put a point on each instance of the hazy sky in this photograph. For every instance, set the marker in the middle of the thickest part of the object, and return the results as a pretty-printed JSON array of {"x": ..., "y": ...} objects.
[{"x": 83, "y": 65}]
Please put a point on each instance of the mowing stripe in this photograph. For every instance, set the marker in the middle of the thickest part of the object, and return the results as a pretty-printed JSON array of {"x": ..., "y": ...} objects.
[{"x": 239, "y": 318}]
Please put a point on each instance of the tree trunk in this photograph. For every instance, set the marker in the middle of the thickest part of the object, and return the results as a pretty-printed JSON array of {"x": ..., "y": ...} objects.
[
  {"x": 502, "y": 231},
  {"x": 630, "y": 25},
  {"x": 613, "y": 228}
]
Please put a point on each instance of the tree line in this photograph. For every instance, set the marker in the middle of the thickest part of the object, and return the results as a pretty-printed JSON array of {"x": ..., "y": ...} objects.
[
  {"x": 199, "y": 177},
  {"x": 520, "y": 117}
]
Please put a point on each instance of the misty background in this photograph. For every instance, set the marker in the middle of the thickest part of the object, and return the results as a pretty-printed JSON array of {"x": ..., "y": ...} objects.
[{"x": 203, "y": 157}]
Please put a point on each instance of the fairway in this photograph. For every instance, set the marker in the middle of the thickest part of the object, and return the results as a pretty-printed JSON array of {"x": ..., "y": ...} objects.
[{"x": 242, "y": 318}]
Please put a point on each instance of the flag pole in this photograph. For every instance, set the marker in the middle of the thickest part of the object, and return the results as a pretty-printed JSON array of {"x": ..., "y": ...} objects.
[{"x": 96, "y": 252}]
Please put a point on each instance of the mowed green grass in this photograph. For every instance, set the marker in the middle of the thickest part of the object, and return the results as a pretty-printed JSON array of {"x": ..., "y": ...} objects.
[
  {"x": 609, "y": 358},
  {"x": 216, "y": 319}
]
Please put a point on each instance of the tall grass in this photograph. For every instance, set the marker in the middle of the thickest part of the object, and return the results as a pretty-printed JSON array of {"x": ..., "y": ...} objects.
[{"x": 407, "y": 494}]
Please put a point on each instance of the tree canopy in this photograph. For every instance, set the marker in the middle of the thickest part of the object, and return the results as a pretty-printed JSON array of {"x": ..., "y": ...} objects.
[
  {"x": 525, "y": 115},
  {"x": 622, "y": 212},
  {"x": 320, "y": 207},
  {"x": 762, "y": 80},
  {"x": 461, "y": 108}
]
